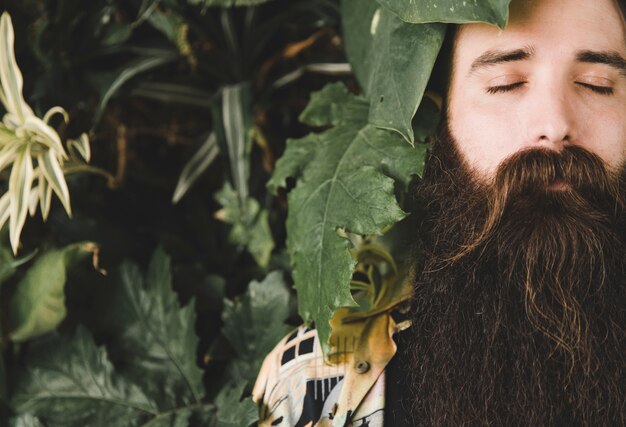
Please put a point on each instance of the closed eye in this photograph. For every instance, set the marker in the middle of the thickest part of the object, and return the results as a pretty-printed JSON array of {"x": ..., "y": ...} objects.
[
  {"x": 504, "y": 88},
  {"x": 602, "y": 90}
]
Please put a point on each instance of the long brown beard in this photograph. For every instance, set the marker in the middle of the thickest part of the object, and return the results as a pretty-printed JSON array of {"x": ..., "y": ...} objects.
[{"x": 520, "y": 310}]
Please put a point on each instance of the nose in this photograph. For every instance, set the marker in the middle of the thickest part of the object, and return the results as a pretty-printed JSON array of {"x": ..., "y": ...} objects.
[{"x": 551, "y": 123}]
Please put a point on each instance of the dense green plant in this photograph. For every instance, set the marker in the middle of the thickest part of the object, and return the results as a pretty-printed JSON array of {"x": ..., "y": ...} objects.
[{"x": 195, "y": 233}]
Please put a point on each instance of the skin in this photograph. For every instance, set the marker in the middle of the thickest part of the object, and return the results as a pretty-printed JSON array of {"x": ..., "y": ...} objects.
[{"x": 545, "y": 95}]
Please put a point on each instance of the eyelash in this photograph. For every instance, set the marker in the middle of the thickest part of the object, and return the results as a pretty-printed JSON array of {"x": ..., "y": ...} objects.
[{"x": 602, "y": 90}]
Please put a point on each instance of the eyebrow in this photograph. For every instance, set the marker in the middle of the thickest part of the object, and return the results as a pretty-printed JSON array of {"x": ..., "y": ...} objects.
[
  {"x": 610, "y": 58},
  {"x": 494, "y": 57}
]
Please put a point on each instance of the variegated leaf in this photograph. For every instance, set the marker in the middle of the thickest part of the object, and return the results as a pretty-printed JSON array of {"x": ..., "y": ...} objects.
[
  {"x": 5, "y": 203},
  {"x": 6, "y": 134},
  {"x": 7, "y": 155},
  {"x": 80, "y": 146},
  {"x": 56, "y": 110},
  {"x": 198, "y": 163},
  {"x": 10, "y": 76},
  {"x": 20, "y": 184},
  {"x": 45, "y": 196},
  {"x": 54, "y": 175},
  {"x": 47, "y": 136},
  {"x": 33, "y": 200}
]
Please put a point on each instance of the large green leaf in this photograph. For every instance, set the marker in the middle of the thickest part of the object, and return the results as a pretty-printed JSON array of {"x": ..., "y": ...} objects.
[
  {"x": 38, "y": 305},
  {"x": 158, "y": 343},
  {"x": 72, "y": 384},
  {"x": 232, "y": 411},
  {"x": 392, "y": 61},
  {"x": 452, "y": 11},
  {"x": 255, "y": 324},
  {"x": 346, "y": 183}
]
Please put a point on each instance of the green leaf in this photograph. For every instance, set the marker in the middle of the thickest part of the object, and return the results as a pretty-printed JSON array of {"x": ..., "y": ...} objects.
[
  {"x": 348, "y": 184},
  {"x": 227, "y": 3},
  {"x": 26, "y": 420},
  {"x": 453, "y": 11},
  {"x": 9, "y": 265},
  {"x": 198, "y": 163},
  {"x": 231, "y": 410},
  {"x": 250, "y": 224},
  {"x": 20, "y": 183},
  {"x": 300, "y": 151},
  {"x": 159, "y": 343},
  {"x": 234, "y": 134},
  {"x": 38, "y": 305},
  {"x": 392, "y": 61},
  {"x": 173, "y": 26},
  {"x": 73, "y": 384},
  {"x": 113, "y": 83},
  {"x": 255, "y": 324}
]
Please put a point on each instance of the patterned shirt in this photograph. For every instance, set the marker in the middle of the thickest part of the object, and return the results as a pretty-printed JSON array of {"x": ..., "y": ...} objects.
[{"x": 298, "y": 386}]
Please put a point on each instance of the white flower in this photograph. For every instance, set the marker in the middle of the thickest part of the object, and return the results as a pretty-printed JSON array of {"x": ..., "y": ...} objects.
[{"x": 24, "y": 139}]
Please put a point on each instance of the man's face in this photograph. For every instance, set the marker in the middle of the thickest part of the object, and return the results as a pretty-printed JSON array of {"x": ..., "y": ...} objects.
[{"x": 556, "y": 76}]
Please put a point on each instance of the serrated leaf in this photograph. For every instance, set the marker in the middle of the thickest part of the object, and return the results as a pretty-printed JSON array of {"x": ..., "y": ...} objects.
[
  {"x": 347, "y": 185},
  {"x": 11, "y": 81},
  {"x": 38, "y": 305},
  {"x": 255, "y": 324},
  {"x": 453, "y": 11},
  {"x": 300, "y": 150},
  {"x": 392, "y": 61},
  {"x": 159, "y": 343},
  {"x": 232, "y": 411},
  {"x": 73, "y": 384},
  {"x": 20, "y": 183},
  {"x": 52, "y": 171}
]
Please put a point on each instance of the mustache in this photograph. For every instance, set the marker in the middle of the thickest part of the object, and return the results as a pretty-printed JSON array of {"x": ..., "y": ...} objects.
[
  {"x": 535, "y": 170},
  {"x": 573, "y": 177}
]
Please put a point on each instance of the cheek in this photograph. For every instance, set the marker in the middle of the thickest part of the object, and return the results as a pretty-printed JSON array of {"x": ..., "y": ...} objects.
[
  {"x": 485, "y": 135},
  {"x": 603, "y": 132}
]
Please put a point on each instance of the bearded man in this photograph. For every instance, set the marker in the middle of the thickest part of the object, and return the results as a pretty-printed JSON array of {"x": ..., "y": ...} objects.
[{"x": 519, "y": 312}]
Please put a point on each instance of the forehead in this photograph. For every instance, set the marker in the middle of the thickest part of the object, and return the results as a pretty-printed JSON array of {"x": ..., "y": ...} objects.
[{"x": 558, "y": 26}]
